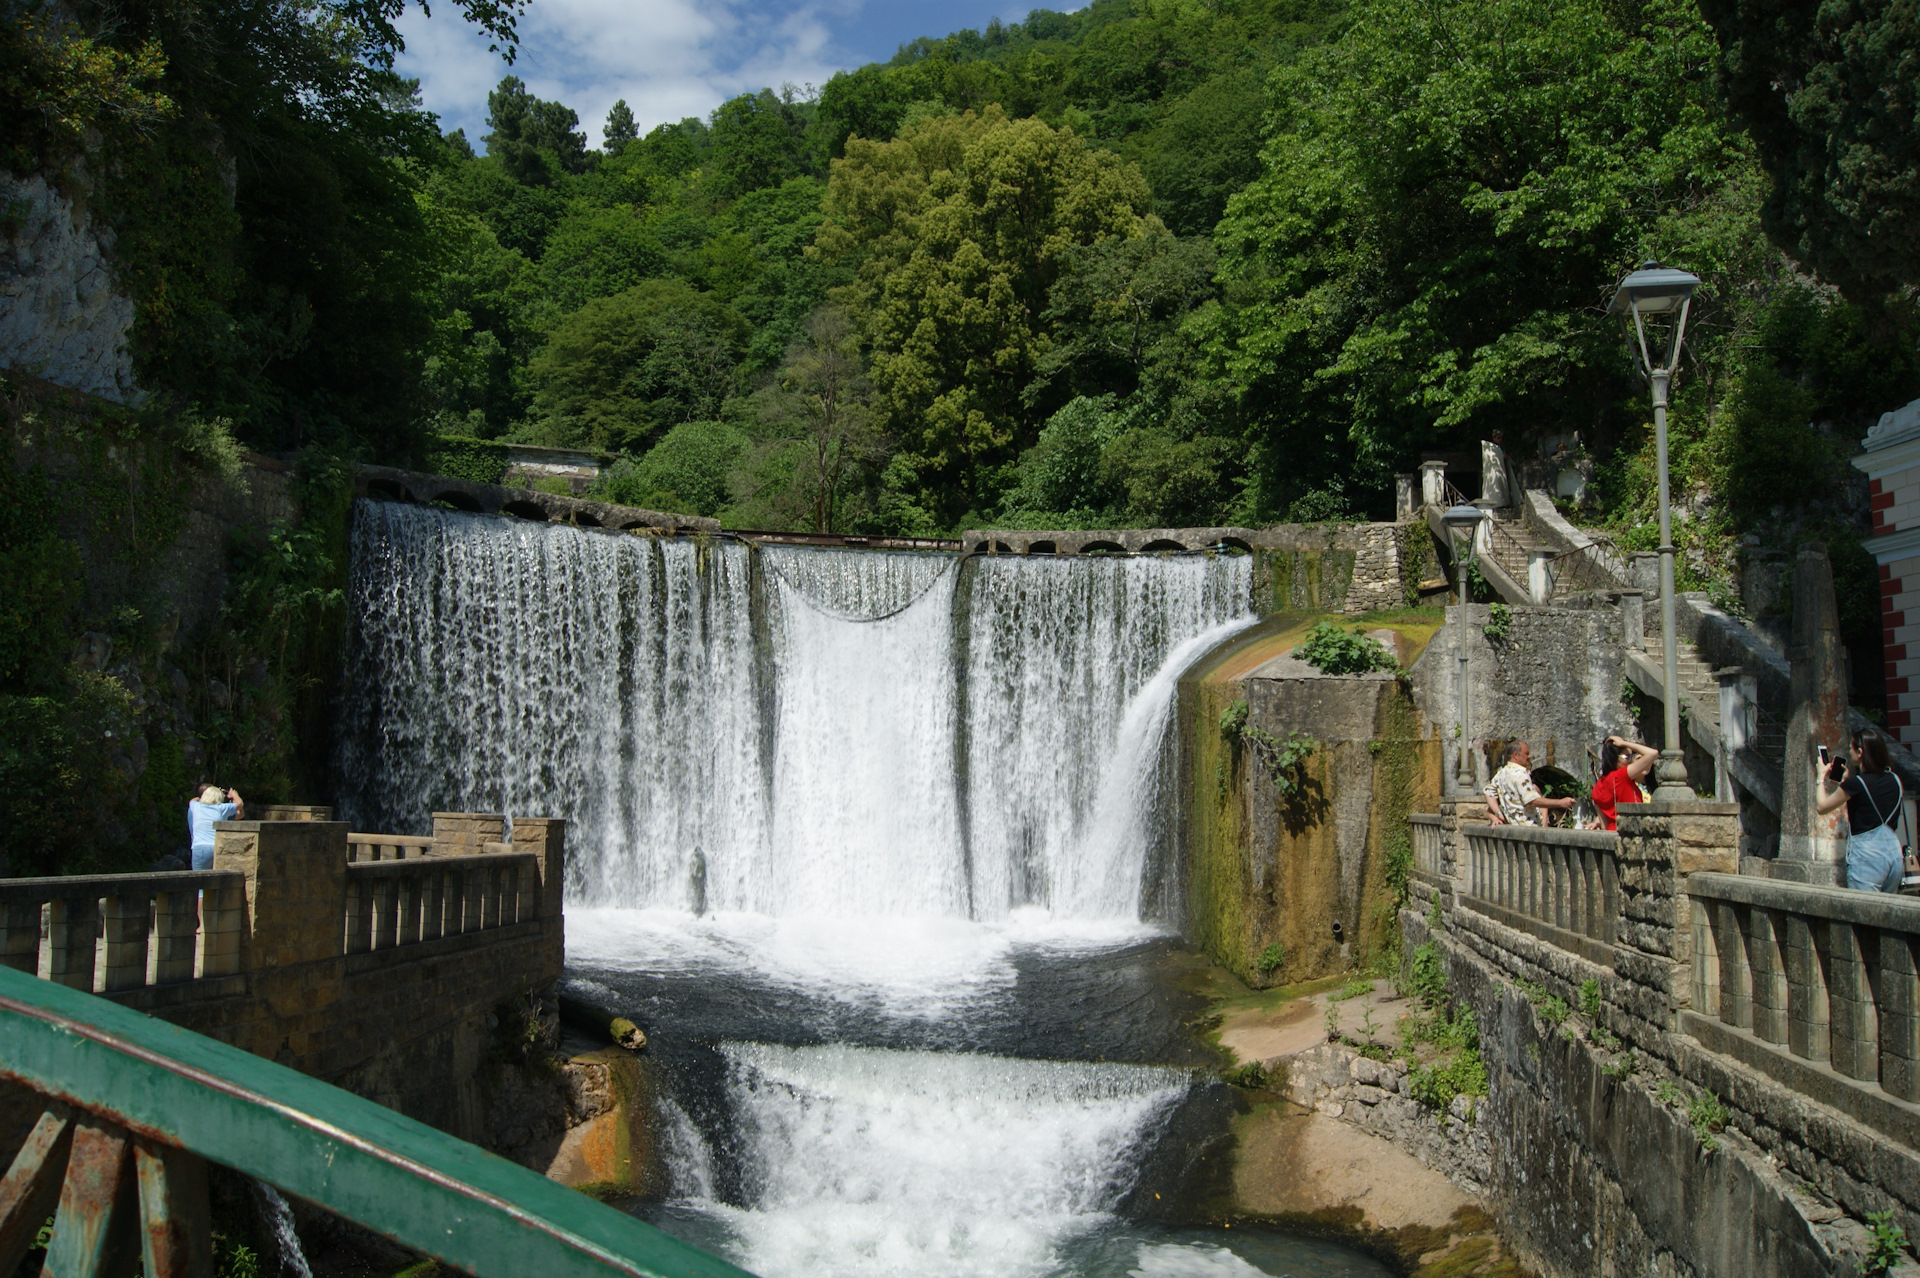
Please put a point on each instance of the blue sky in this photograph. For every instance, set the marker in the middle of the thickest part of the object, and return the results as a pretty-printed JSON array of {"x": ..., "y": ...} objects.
[{"x": 668, "y": 58}]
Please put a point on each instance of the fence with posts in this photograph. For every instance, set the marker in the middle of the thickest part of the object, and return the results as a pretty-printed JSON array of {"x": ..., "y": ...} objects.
[
  {"x": 312, "y": 945},
  {"x": 1560, "y": 885}
]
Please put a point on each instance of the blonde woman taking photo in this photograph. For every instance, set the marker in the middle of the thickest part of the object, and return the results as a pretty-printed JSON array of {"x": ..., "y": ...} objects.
[{"x": 214, "y": 804}]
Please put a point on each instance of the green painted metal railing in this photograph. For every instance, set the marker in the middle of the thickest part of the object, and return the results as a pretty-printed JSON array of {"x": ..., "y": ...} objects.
[{"x": 134, "y": 1104}]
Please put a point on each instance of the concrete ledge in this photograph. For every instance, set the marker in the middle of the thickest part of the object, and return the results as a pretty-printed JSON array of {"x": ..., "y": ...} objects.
[
  {"x": 1815, "y": 1080},
  {"x": 152, "y": 998},
  {"x": 1599, "y": 953},
  {"x": 1864, "y": 909},
  {"x": 384, "y": 483}
]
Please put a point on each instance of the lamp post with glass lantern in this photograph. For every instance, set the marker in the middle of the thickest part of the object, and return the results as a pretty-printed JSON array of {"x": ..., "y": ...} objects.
[
  {"x": 1466, "y": 519},
  {"x": 1653, "y": 301}
]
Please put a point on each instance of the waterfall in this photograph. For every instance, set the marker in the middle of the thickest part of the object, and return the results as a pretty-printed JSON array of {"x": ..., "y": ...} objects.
[
  {"x": 779, "y": 730},
  {"x": 864, "y": 1161}
]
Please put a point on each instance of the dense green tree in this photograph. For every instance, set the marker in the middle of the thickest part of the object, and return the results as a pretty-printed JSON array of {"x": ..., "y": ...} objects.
[
  {"x": 1830, "y": 94},
  {"x": 688, "y": 470},
  {"x": 597, "y": 252},
  {"x": 620, "y": 128},
  {"x": 620, "y": 371},
  {"x": 1448, "y": 194},
  {"x": 956, "y": 231},
  {"x": 530, "y": 137},
  {"x": 757, "y": 142},
  {"x": 819, "y": 436}
]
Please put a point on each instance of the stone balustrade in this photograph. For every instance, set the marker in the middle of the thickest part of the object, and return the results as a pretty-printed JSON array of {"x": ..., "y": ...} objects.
[
  {"x": 400, "y": 902},
  {"x": 1807, "y": 983},
  {"x": 1559, "y": 885},
  {"x": 343, "y": 955},
  {"x": 1429, "y": 846},
  {"x": 386, "y": 847},
  {"x": 109, "y": 933}
]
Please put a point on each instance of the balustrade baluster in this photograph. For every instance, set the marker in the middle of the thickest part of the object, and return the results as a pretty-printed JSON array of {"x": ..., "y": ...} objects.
[
  {"x": 386, "y": 898},
  {"x": 1579, "y": 874},
  {"x": 1854, "y": 1020},
  {"x": 72, "y": 933},
  {"x": 176, "y": 924},
  {"x": 359, "y": 915},
  {"x": 491, "y": 901},
  {"x": 408, "y": 905},
  {"x": 1562, "y": 879},
  {"x": 432, "y": 905},
  {"x": 223, "y": 914},
  {"x": 23, "y": 936},
  {"x": 1769, "y": 975},
  {"x": 125, "y": 917},
  {"x": 473, "y": 911},
  {"x": 1803, "y": 946},
  {"x": 1609, "y": 897},
  {"x": 1899, "y": 1016},
  {"x": 1706, "y": 960}
]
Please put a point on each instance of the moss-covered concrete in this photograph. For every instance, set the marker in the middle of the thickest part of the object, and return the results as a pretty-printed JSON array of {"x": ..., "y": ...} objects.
[{"x": 1320, "y": 870}]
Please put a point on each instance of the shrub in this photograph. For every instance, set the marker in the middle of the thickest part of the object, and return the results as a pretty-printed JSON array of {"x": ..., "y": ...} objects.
[
  {"x": 1271, "y": 958},
  {"x": 1499, "y": 621},
  {"x": 1331, "y": 650},
  {"x": 1554, "y": 1010},
  {"x": 1251, "y": 1075},
  {"x": 1428, "y": 983},
  {"x": 1435, "y": 1086},
  {"x": 1590, "y": 999},
  {"x": 479, "y": 461},
  {"x": 1887, "y": 1246}
]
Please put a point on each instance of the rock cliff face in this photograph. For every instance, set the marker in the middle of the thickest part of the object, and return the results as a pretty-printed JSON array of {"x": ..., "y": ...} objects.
[{"x": 61, "y": 316}]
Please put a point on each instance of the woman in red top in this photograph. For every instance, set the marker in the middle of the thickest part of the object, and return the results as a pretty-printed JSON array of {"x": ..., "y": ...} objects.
[{"x": 1622, "y": 764}]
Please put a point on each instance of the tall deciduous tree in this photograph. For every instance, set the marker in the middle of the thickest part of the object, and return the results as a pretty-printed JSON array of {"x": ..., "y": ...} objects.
[{"x": 957, "y": 231}]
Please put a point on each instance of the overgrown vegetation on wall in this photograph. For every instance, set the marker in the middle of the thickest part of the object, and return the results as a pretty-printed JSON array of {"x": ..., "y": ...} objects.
[{"x": 110, "y": 714}]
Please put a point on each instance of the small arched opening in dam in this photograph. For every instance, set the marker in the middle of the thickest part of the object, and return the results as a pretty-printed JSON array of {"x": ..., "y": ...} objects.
[{"x": 878, "y": 846}]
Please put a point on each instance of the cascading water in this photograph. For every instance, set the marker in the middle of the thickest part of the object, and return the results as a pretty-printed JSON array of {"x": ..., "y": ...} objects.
[
  {"x": 784, "y": 731},
  {"x": 829, "y": 810}
]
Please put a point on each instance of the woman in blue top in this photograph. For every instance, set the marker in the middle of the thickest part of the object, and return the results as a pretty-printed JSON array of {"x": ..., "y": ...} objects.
[{"x": 214, "y": 804}]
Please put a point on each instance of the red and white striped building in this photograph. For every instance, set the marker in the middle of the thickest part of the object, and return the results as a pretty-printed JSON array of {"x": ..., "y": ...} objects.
[{"x": 1892, "y": 465}]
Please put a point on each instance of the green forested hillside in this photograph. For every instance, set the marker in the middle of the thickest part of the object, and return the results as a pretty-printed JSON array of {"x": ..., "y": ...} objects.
[{"x": 1153, "y": 261}]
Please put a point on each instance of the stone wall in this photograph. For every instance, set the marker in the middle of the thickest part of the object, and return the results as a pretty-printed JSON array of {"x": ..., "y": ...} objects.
[
  {"x": 411, "y": 1026},
  {"x": 1553, "y": 681},
  {"x": 1600, "y": 1130},
  {"x": 61, "y": 316},
  {"x": 1308, "y": 870},
  {"x": 1349, "y": 568}
]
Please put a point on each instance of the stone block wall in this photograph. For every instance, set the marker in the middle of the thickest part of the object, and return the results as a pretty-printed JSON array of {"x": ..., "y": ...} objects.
[
  {"x": 1597, "y": 1163},
  {"x": 408, "y": 1026},
  {"x": 1553, "y": 681}
]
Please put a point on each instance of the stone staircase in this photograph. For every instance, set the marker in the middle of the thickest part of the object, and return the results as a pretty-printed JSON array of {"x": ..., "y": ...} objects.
[{"x": 1756, "y": 761}]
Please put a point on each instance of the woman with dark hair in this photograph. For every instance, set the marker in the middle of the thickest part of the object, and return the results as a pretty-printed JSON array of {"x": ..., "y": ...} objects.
[
  {"x": 1623, "y": 764},
  {"x": 1872, "y": 794}
]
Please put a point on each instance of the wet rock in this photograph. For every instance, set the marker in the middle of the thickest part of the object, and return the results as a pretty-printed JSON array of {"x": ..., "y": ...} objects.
[
  {"x": 92, "y": 651},
  {"x": 627, "y": 1034}
]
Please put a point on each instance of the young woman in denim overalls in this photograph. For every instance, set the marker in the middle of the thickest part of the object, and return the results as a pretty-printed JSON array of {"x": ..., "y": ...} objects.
[{"x": 1872, "y": 794}]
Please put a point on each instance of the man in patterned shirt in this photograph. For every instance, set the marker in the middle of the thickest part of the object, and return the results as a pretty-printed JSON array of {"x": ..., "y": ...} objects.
[{"x": 1512, "y": 797}]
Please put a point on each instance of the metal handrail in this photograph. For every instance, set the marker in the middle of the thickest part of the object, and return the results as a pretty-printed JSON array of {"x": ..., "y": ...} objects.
[
  {"x": 1596, "y": 566},
  {"x": 135, "y": 1108}
]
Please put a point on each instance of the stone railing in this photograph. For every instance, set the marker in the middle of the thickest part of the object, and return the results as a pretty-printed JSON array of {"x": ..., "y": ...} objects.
[
  {"x": 386, "y": 847},
  {"x": 109, "y": 933},
  {"x": 1429, "y": 845},
  {"x": 423, "y": 898},
  {"x": 1560, "y": 885},
  {"x": 1805, "y": 983}
]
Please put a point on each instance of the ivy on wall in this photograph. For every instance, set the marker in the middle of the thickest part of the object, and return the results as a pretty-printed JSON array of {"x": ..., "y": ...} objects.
[{"x": 481, "y": 461}]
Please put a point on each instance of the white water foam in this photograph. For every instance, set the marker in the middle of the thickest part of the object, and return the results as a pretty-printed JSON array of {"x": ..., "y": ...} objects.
[
  {"x": 871, "y": 1162},
  {"x": 780, "y": 731}
]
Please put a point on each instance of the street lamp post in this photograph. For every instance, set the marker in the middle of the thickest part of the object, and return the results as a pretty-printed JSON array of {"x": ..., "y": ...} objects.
[
  {"x": 1467, "y": 519},
  {"x": 1655, "y": 299}
]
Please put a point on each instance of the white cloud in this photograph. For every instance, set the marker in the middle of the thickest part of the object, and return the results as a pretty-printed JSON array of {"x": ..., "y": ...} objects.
[{"x": 668, "y": 58}]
